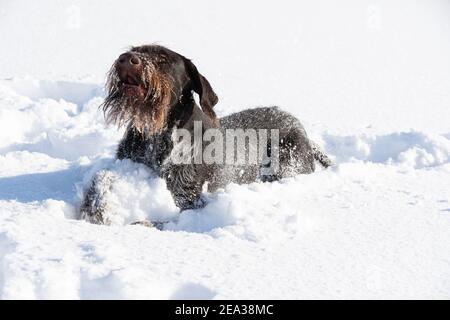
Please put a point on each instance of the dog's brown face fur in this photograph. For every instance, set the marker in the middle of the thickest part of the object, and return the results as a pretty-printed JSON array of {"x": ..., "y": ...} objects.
[{"x": 146, "y": 81}]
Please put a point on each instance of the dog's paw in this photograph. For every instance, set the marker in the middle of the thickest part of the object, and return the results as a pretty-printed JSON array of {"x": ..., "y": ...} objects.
[{"x": 151, "y": 224}]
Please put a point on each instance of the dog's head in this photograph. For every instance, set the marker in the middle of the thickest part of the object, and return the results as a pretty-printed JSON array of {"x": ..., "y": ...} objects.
[{"x": 145, "y": 82}]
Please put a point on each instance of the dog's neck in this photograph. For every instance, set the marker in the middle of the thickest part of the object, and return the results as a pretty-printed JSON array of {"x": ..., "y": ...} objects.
[{"x": 180, "y": 113}]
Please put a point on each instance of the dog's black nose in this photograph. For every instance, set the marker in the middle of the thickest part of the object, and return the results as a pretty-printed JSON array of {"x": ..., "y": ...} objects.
[{"x": 129, "y": 58}]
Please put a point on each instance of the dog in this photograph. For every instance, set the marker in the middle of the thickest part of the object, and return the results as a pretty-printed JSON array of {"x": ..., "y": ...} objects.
[{"x": 150, "y": 91}]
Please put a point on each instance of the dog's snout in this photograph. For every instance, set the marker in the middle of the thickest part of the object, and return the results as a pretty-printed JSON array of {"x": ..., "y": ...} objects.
[
  {"x": 129, "y": 59},
  {"x": 129, "y": 67}
]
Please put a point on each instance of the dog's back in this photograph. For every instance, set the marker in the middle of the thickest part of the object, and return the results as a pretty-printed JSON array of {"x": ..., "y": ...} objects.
[{"x": 297, "y": 153}]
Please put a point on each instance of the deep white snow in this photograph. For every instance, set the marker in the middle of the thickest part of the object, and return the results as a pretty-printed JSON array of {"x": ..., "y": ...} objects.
[{"x": 370, "y": 81}]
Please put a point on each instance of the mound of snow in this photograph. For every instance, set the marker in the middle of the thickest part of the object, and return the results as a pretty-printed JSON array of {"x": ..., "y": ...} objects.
[
  {"x": 413, "y": 149},
  {"x": 58, "y": 128},
  {"x": 134, "y": 194}
]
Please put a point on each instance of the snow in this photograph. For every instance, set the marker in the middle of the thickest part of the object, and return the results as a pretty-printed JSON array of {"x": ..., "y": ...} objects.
[{"x": 369, "y": 80}]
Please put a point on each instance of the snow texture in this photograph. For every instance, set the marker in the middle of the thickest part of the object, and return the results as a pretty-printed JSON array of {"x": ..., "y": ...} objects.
[{"x": 369, "y": 80}]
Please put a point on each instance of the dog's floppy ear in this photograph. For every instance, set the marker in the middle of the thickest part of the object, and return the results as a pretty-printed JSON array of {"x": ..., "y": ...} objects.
[{"x": 208, "y": 98}]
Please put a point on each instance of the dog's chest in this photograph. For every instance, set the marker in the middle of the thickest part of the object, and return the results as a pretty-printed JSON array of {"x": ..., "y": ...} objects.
[
  {"x": 151, "y": 150},
  {"x": 157, "y": 149}
]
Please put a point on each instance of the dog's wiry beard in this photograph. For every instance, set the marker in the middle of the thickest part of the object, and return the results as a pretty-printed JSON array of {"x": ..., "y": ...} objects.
[{"x": 146, "y": 113}]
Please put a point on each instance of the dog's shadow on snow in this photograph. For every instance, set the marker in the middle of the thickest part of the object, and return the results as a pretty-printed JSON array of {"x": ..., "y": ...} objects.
[{"x": 58, "y": 185}]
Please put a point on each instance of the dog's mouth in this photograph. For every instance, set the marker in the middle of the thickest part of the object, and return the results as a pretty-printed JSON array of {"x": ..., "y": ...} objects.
[
  {"x": 130, "y": 81},
  {"x": 131, "y": 86}
]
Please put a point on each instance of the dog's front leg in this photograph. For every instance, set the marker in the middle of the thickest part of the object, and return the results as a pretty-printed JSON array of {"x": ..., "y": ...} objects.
[
  {"x": 94, "y": 207},
  {"x": 98, "y": 203},
  {"x": 185, "y": 184}
]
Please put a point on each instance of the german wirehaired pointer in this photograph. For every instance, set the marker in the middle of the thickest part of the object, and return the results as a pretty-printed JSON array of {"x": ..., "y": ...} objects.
[{"x": 150, "y": 91}]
